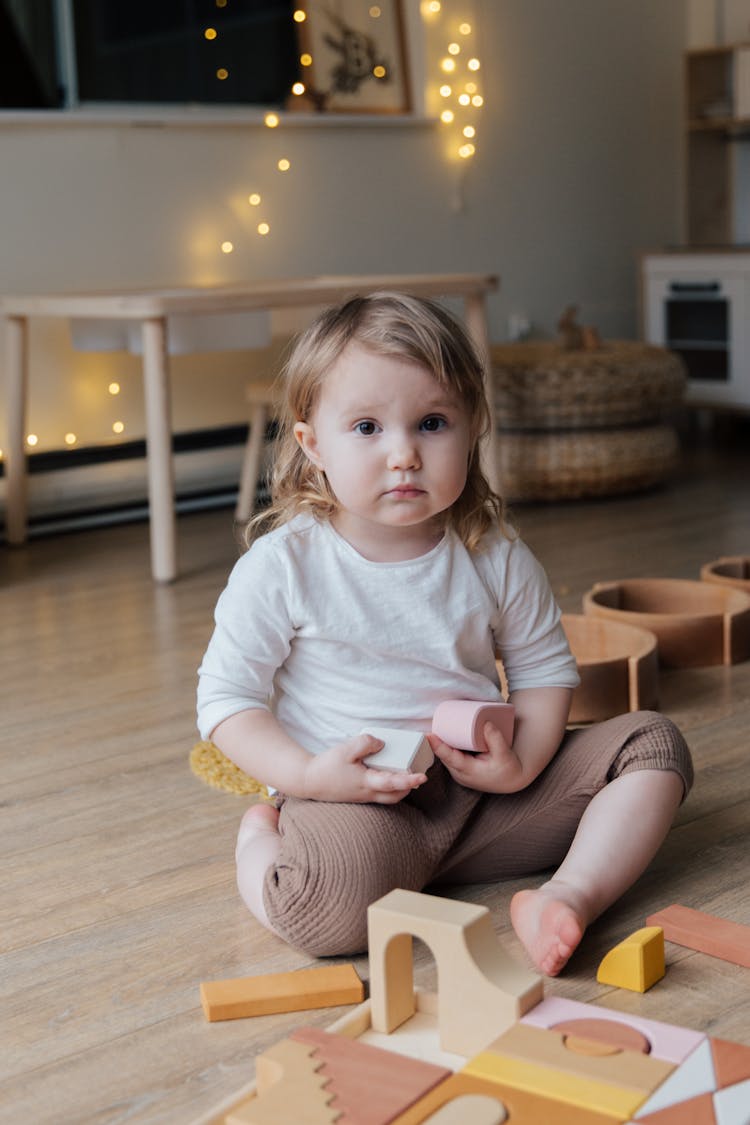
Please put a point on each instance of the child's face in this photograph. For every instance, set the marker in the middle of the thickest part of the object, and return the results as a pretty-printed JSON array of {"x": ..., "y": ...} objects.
[{"x": 394, "y": 446}]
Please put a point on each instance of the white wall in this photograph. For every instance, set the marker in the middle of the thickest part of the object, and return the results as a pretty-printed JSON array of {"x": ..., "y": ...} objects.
[{"x": 578, "y": 169}]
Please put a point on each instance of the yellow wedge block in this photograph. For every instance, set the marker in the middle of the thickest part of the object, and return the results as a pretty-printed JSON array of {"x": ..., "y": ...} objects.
[{"x": 637, "y": 962}]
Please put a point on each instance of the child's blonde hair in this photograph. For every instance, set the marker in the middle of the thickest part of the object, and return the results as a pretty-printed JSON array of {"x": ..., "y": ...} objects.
[{"x": 387, "y": 324}]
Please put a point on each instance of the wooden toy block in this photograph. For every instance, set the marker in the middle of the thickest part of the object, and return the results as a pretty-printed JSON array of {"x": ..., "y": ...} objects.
[
  {"x": 367, "y": 1085},
  {"x": 696, "y": 623},
  {"x": 637, "y": 962},
  {"x": 482, "y": 990},
  {"x": 403, "y": 750},
  {"x": 698, "y": 1111},
  {"x": 705, "y": 933},
  {"x": 460, "y": 722},
  {"x": 323, "y": 987},
  {"x": 535, "y": 1059},
  {"x": 667, "y": 1041},
  {"x": 522, "y": 1108},
  {"x": 601, "y": 1037},
  {"x": 289, "y": 1088}
]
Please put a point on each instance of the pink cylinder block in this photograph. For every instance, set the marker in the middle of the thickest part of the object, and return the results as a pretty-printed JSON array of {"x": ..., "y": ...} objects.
[{"x": 460, "y": 722}]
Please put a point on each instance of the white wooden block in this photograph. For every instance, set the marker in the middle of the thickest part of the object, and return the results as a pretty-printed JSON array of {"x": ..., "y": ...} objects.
[
  {"x": 732, "y": 1105},
  {"x": 403, "y": 750}
]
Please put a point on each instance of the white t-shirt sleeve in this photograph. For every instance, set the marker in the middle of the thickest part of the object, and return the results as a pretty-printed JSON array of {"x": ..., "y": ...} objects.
[
  {"x": 251, "y": 639},
  {"x": 527, "y": 630}
]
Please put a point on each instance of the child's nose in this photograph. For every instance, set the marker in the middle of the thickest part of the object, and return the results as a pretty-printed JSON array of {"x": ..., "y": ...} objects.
[{"x": 403, "y": 454}]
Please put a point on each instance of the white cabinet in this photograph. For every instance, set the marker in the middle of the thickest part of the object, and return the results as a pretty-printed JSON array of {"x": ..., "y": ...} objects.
[{"x": 698, "y": 304}]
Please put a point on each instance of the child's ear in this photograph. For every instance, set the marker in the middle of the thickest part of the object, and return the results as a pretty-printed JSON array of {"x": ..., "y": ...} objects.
[{"x": 305, "y": 435}]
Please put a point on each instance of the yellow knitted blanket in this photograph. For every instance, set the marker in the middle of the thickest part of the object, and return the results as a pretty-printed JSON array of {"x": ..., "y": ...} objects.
[{"x": 209, "y": 764}]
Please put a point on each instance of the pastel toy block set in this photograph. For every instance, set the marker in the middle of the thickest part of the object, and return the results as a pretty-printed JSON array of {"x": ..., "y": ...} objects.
[{"x": 489, "y": 1047}]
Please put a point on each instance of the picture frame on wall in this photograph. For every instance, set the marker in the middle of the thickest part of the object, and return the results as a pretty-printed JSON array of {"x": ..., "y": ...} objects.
[{"x": 356, "y": 56}]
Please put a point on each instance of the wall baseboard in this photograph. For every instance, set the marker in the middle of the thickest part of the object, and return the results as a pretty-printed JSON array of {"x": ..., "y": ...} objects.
[{"x": 109, "y": 485}]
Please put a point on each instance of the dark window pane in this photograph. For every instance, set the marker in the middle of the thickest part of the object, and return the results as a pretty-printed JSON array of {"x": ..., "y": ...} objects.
[
  {"x": 142, "y": 51},
  {"x": 28, "y": 69}
]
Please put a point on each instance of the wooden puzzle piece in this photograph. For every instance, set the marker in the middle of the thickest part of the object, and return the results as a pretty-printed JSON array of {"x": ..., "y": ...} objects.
[
  {"x": 403, "y": 750},
  {"x": 367, "y": 1085},
  {"x": 732, "y": 1106},
  {"x": 324, "y": 987},
  {"x": 668, "y": 1042},
  {"x": 601, "y": 1037},
  {"x": 470, "y": 1109},
  {"x": 697, "y": 1111},
  {"x": 637, "y": 962},
  {"x": 522, "y": 1108},
  {"x": 715, "y": 1065},
  {"x": 289, "y": 1089},
  {"x": 482, "y": 990},
  {"x": 536, "y": 1060},
  {"x": 705, "y": 933}
]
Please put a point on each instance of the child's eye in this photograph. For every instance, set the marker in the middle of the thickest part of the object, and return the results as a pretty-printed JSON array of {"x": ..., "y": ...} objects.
[
  {"x": 367, "y": 429},
  {"x": 433, "y": 423}
]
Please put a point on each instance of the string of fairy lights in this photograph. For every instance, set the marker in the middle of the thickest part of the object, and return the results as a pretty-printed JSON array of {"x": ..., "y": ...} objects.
[{"x": 453, "y": 95}]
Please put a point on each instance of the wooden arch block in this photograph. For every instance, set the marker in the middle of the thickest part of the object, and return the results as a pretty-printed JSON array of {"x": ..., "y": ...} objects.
[
  {"x": 637, "y": 962},
  {"x": 481, "y": 990}
]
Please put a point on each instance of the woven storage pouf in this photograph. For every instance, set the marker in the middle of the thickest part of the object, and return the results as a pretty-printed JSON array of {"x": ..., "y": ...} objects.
[{"x": 584, "y": 423}]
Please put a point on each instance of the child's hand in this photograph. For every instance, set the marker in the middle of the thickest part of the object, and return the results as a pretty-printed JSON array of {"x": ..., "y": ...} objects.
[
  {"x": 498, "y": 770},
  {"x": 339, "y": 774}
]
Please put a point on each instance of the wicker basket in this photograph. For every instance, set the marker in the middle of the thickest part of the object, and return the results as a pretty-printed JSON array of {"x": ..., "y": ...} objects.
[
  {"x": 543, "y": 387},
  {"x": 576, "y": 423}
]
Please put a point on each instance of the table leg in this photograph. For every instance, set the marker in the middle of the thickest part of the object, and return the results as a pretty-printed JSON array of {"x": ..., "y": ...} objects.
[
  {"x": 16, "y": 358},
  {"x": 475, "y": 314},
  {"x": 159, "y": 450}
]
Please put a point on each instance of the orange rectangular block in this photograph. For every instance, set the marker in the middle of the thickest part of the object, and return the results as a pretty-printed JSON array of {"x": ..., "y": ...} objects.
[
  {"x": 323, "y": 987},
  {"x": 705, "y": 933}
]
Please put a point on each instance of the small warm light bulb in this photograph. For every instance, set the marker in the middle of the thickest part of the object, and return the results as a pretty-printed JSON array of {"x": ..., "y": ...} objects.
[
  {"x": 464, "y": 99},
  {"x": 271, "y": 120},
  {"x": 466, "y": 151},
  {"x": 306, "y": 59},
  {"x": 477, "y": 100},
  {"x": 210, "y": 33},
  {"x": 448, "y": 65},
  {"x": 447, "y": 116},
  {"x": 431, "y": 7},
  {"x": 114, "y": 388},
  {"x": 375, "y": 12},
  {"x": 445, "y": 91},
  {"x": 222, "y": 73},
  {"x": 454, "y": 49},
  {"x": 70, "y": 439},
  {"x": 253, "y": 199},
  {"x": 464, "y": 28},
  {"x": 473, "y": 64},
  {"x": 379, "y": 71},
  {"x": 469, "y": 131},
  {"x": 31, "y": 439},
  {"x": 263, "y": 228},
  {"x": 118, "y": 427},
  {"x": 298, "y": 88},
  {"x": 227, "y": 247},
  {"x": 300, "y": 16},
  {"x": 283, "y": 166},
  {"x": 471, "y": 87},
  {"x": 221, "y": 3}
]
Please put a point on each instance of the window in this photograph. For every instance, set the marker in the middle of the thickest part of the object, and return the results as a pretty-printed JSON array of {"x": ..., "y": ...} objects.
[{"x": 62, "y": 52}]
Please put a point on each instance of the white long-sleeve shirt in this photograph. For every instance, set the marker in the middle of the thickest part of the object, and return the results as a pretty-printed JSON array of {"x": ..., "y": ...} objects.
[{"x": 332, "y": 642}]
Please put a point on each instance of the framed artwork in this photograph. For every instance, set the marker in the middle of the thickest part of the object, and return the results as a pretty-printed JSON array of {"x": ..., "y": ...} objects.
[{"x": 357, "y": 56}]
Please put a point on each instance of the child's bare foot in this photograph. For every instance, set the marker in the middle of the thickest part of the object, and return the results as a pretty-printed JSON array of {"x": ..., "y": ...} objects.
[
  {"x": 550, "y": 924},
  {"x": 259, "y": 820}
]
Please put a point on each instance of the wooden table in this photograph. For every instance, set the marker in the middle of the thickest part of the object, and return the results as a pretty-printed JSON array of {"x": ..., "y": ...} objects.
[{"x": 152, "y": 308}]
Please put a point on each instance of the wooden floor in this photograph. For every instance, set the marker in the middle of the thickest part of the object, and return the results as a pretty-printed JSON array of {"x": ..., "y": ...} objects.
[{"x": 117, "y": 874}]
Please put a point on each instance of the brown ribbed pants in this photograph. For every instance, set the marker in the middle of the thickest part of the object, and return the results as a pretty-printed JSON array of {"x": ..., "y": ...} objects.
[{"x": 336, "y": 859}]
